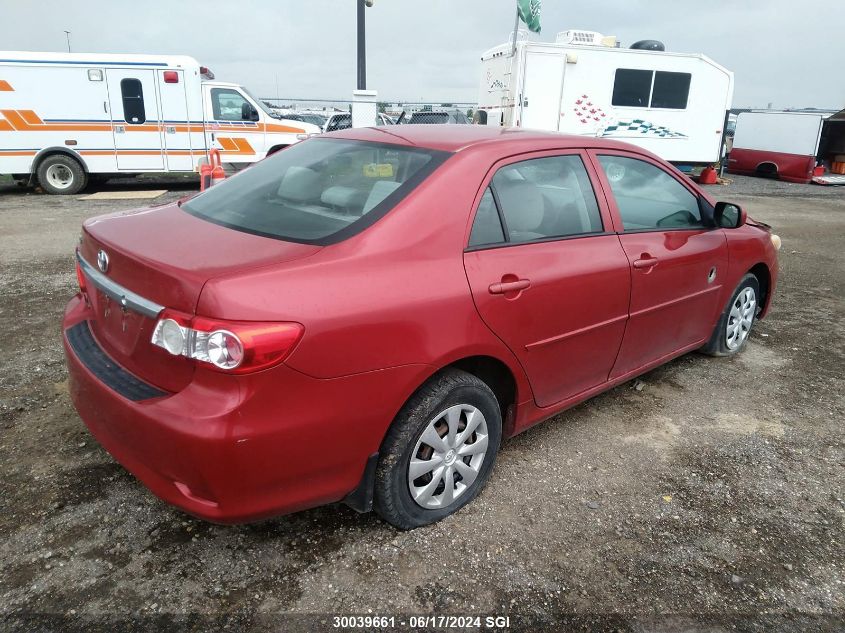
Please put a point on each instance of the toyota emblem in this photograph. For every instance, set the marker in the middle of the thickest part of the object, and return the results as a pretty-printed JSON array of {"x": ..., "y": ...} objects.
[{"x": 102, "y": 261}]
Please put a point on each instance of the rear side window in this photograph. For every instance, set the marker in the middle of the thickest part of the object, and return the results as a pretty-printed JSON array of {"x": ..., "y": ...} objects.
[
  {"x": 132, "y": 94},
  {"x": 319, "y": 191},
  {"x": 648, "y": 198},
  {"x": 546, "y": 198},
  {"x": 487, "y": 227}
]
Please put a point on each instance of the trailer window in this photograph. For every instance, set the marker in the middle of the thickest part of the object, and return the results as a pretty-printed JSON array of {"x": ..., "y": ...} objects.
[
  {"x": 671, "y": 90},
  {"x": 133, "y": 101},
  {"x": 632, "y": 87}
]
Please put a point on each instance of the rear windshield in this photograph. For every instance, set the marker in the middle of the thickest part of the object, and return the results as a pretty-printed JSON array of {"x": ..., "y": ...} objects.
[{"x": 319, "y": 191}]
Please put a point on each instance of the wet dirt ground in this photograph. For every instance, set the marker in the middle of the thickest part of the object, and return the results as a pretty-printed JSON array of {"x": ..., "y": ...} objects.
[{"x": 711, "y": 498}]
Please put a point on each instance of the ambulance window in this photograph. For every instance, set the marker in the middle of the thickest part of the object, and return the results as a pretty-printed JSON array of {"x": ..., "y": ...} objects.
[
  {"x": 671, "y": 90},
  {"x": 227, "y": 105},
  {"x": 133, "y": 101},
  {"x": 632, "y": 87}
]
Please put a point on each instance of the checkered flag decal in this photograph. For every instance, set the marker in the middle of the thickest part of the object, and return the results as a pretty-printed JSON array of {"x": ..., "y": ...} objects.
[{"x": 643, "y": 127}]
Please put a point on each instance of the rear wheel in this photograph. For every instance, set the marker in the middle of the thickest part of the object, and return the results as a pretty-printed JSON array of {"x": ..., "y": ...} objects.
[
  {"x": 439, "y": 452},
  {"x": 61, "y": 174},
  {"x": 734, "y": 326}
]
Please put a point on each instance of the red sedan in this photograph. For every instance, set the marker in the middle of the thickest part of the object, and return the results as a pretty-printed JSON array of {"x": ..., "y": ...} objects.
[{"x": 364, "y": 316}]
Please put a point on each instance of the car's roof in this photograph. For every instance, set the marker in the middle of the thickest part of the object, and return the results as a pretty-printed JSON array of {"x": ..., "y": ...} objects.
[{"x": 455, "y": 138}]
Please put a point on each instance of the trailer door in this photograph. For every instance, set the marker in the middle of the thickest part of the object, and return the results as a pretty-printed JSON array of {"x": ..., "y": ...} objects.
[
  {"x": 135, "y": 119},
  {"x": 174, "y": 120},
  {"x": 541, "y": 90}
]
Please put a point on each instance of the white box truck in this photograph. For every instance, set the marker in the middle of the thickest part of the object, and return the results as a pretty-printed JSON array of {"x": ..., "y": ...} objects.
[
  {"x": 66, "y": 118},
  {"x": 673, "y": 104}
]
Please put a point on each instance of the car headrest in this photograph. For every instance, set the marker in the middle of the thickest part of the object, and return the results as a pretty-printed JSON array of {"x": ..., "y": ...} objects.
[
  {"x": 381, "y": 189},
  {"x": 339, "y": 196},
  {"x": 522, "y": 203},
  {"x": 300, "y": 184}
]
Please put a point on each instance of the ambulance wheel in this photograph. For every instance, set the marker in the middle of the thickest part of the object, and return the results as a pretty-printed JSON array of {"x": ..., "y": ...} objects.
[{"x": 61, "y": 174}]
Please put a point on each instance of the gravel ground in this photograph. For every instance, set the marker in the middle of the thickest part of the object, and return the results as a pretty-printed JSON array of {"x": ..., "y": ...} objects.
[{"x": 706, "y": 497}]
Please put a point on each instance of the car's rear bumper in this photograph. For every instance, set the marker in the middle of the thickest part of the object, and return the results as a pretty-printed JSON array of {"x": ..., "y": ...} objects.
[{"x": 234, "y": 449}]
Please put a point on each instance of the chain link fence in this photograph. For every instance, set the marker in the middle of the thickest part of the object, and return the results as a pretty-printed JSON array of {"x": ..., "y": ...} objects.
[{"x": 335, "y": 114}]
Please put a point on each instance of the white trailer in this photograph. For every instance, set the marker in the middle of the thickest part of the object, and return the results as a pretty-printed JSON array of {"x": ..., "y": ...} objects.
[
  {"x": 673, "y": 104},
  {"x": 790, "y": 145},
  {"x": 66, "y": 118}
]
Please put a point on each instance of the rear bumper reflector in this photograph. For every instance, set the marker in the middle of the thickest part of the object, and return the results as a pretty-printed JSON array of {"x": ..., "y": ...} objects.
[{"x": 105, "y": 369}]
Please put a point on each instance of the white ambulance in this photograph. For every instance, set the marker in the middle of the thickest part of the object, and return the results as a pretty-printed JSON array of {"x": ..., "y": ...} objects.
[
  {"x": 673, "y": 104},
  {"x": 67, "y": 118}
]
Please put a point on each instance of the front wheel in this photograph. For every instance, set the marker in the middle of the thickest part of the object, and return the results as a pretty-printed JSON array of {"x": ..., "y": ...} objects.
[
  {"x": 439, "y": 452},
  {"x": 734, "y": 326},
  {"x": 61, "y": 174}
]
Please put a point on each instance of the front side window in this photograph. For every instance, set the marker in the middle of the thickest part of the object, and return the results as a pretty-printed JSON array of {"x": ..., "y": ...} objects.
[
  {"x": 319, "y": 191},
  {"x": 648, "y": 198},
  {"x": 132, "y": 94},
  {"x": 227, "y": 104},
  {"x": 545, "y": 198}
]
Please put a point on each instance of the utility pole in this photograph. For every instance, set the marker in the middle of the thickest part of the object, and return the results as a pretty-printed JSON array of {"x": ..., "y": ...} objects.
[
  {"x": 362, "y": 44},
  {"x": 67, "y": 36},
  {"x": 364, "y": 104}
]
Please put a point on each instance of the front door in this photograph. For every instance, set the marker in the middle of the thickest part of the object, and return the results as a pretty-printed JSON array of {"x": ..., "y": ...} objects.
[
  {"x": 231, "y": 128},
  {"x": 135, "y": 119},
  {"x": 678, "y": 262},
  {"x": 546, "y": 276}
]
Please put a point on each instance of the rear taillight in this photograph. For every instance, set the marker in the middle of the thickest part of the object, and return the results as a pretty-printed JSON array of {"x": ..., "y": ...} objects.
[{"x": 237, "y": 347}]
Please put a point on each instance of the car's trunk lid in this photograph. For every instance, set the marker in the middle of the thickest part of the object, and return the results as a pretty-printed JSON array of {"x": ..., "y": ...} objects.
[{"x": 164, "y": 256}]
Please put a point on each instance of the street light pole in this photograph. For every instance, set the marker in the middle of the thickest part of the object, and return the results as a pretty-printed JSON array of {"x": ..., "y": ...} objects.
[
  {"x": 67, "y": 35},
  {"x": 362, "y": 47}
]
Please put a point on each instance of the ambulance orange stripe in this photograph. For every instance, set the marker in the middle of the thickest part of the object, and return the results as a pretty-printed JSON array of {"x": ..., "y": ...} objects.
[
  {"x": 5, "y": 87},
  {"x": 19, "y": 153},
  {"x": 5, "y": 126},
  {"x": 243, "y": 146},
  {"x": 227, "y": 143},
  {"x": 30, "y": 117},
  {"x": 14, "y": 118},
  {"x": 273, "y": 127}
]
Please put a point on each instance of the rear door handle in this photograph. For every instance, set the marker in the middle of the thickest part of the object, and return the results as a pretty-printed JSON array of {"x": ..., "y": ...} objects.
[
  {"x": 646, "y": 263},
  {"x": 502, "y": 287}
]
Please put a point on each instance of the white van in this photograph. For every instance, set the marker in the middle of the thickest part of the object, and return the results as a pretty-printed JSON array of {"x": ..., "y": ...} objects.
[
  {"x": 68, "y": 117},
  {"x": 673, "y": 104}
]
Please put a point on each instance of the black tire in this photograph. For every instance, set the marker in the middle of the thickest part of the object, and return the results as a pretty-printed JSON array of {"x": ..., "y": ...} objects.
[
  {"x": 75, "y": 182},
  {"x": 392, "y": 497},
  {"x": 718, "y": 343}
]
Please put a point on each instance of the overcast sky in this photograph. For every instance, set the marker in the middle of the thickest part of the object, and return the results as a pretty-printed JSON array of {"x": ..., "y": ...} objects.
[{"x": 790, "y": 54}]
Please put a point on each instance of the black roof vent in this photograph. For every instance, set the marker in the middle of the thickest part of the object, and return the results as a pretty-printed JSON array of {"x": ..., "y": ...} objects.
[{"x": 648, "y": 45}]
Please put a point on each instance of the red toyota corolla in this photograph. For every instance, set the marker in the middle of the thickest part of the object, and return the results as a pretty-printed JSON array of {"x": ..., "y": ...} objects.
[{"x": 365, "y": 315}]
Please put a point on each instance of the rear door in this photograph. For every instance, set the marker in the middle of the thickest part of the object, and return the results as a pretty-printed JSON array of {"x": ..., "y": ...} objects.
[
  {"x": 547, "y": 272},
  {"x": 135, "y": 119},
  {"x": 678, "y": 262},
  {"x": 175, "y": 120},
  {"x": 541, "y": 90}
]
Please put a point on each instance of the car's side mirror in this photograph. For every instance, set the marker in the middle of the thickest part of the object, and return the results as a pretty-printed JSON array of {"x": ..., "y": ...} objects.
[
  {"x": 727, "y": 215},
  {"x": 248, "y": 112}
]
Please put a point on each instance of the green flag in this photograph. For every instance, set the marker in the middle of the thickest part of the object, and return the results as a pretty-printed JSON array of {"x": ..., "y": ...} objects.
[{"x": 529, "y": 12}]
